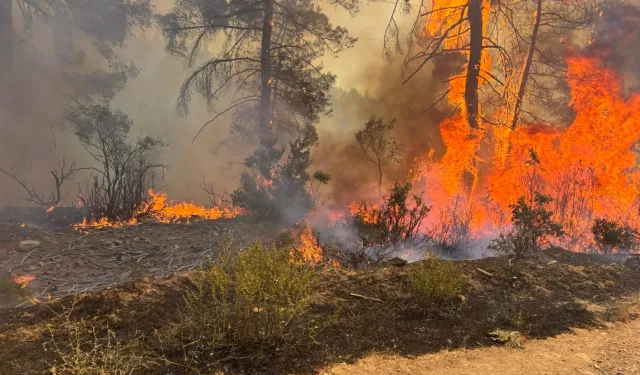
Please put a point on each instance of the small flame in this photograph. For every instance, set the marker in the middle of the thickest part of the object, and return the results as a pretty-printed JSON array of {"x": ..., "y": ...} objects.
[
  {"x": 51, "y": 208},
  {"x": 23, "y": 280},
  {"x": 307, "y": 246}
]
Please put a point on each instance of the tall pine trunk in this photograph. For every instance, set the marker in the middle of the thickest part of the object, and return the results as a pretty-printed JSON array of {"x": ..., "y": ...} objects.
[
  {"x": 526, "y": 68},
  {"x": 265, "y": 70},
  {"x": 473, "y": 67},
  {"x": 471, "y": 100},
  {"x": 6, "y": 45}
]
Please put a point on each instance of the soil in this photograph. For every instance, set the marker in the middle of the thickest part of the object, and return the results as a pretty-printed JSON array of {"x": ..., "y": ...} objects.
[
  {"x": 353, "y": 315},
  {"x": 68, "y": 261},
  {"x": 585, "y": 352}
]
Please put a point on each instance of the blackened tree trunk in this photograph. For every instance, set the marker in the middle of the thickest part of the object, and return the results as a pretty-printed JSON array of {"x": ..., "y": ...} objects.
[
  {"x": 265, "y": 71},
  {"x": 473, "y": 68},
  {"x": 6, "y": 43},
  {"x": 526, "y": 68}
]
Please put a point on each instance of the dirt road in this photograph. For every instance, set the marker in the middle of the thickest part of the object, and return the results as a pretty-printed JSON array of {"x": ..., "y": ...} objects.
[{"x": 599, "y": 351}]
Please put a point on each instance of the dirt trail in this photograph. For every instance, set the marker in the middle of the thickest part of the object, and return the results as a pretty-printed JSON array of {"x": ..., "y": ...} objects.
[{"x": 597, "y": 351}]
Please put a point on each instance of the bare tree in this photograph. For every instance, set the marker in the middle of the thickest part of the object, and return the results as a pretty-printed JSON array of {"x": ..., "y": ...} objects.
[
  {"x": 119, "y": 185},
  {"x": 62, "y": 173},
  {"x": 379, "y": 144}
]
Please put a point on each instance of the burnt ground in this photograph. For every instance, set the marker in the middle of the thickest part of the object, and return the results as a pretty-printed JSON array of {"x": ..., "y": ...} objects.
[
  {"x": 68, "y": 262},
  {"x": 553, "y": 294}
]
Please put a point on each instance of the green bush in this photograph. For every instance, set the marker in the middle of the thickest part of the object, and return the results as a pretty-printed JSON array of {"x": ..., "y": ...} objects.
[
  {"x": 532, "y": 227},
  {"x": 610, "y": 235},
  {"x": 249, "y": 298},
  {"x": 436, "y": 280}
]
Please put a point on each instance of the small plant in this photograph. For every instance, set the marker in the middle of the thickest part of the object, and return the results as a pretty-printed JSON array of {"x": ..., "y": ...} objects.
[
  {"x": 510, "y": 339},
  {"x": 435, "y": 280},
  {"x": 249, "y": 298},
  {"x": 452, "y": 230},
  {"x": 532, "y": 227},
  {"x": 91, "y": 354},
  {"x": 611, "y": 235},
  {"x": 622, "y": 310},
  {"x": 379, "y": 232},
  {"x": 393, "y": 221}
]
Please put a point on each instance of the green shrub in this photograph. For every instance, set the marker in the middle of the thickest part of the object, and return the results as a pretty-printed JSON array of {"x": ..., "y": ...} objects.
[
  {"x": 249, "y": 298},
  {"x": 610, "y": 235},
  {"x": 532, "y": 227},
  {"x": 436, "y": 280}
]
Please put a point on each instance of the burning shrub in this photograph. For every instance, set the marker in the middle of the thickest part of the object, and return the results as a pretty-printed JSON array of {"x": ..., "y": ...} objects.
[
  {"x": 611, "y": 235},
  {"x": 276, "y": 190},
  {"x": 393, "y": 221},
  {"x": 532, "y": 227},
  {"x": 119, "y": 186},
  {"x": 385, "y": 229},
  {"x": 249, "y": 298},
  {"x": 452, "y": 230},
  {"x": 435, "y": 280}
]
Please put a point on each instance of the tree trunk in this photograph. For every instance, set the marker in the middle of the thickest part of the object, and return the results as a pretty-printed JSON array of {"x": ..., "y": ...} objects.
[
  {"x": 524, "y": 76},
  {"x": 6, "y": 45},
  {"x": 471, "y": 101},
  {"x": 473, "y": 68},
  {"x": 380, "y": 180},
  {"x": 265, "y": 70}
]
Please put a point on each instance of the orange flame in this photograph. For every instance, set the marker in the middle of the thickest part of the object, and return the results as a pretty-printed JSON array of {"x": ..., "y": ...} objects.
[
  {"x": 23, "y": 280},
  {"x": 158, "y": 209}
]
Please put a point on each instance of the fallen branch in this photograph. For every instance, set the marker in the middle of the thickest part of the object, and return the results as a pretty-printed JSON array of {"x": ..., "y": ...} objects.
[
  {"x": 484, "y": 272},
  {"x": 365, "y": 297}
]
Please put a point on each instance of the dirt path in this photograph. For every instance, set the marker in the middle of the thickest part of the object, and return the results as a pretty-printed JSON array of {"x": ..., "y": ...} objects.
[{"x": 606, "y": 351}]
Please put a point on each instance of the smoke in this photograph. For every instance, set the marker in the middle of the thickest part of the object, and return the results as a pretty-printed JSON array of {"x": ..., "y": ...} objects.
[
  {"x": 416, "y": 129},
  {"x": 49, "y": 75}
]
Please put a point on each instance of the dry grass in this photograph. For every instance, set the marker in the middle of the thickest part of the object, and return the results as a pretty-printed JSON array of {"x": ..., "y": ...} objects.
[
  {"x": 510, "y": 339},
  {"x": 87, "y": 353},
  {"x": 622, "y": 310},
  {"x": 435, "y": 280},
  {"x": 11, "y": 290}
]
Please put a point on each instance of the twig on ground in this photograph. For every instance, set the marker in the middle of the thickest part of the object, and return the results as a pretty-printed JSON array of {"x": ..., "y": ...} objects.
[
  {"x": 365, "y": 297},
  {"x": 484, "y": 272}
]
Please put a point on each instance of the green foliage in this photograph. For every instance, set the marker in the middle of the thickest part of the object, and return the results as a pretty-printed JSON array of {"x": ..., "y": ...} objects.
[
  {"x": 532, "y": 227},
  {"x": 436, "y": 280},
  {"x": 610, "y": 235},
  {"x": 249, "y": 298},
  {"x": 277, "y": 189},
  {"x": 393, "y": 221}
]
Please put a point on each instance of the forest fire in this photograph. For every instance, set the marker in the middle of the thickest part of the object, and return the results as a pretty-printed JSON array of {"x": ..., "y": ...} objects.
[
  {"x": 588, "y": 169},
  {"x": 158, "y": 209}
]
